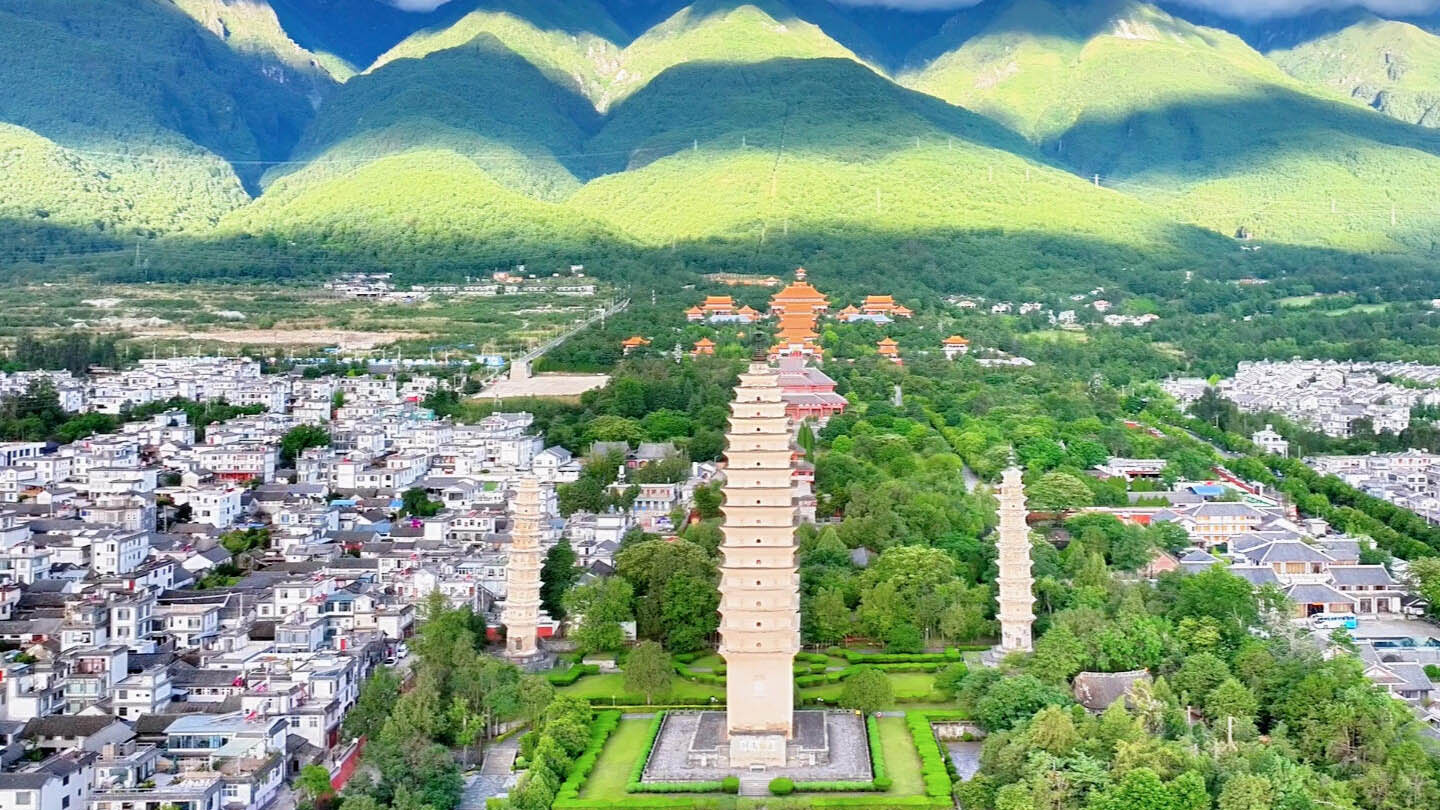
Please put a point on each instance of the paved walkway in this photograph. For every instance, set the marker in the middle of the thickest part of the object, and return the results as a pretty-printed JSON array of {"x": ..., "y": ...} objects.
[{"x": 500, "y": 757}]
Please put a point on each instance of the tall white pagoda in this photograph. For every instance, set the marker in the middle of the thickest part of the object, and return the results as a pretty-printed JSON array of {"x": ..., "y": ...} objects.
[
  {"x": 522, "y": 572},
  {"x": 1016, "y": 595},
  {"x": 759, "y": 581}
]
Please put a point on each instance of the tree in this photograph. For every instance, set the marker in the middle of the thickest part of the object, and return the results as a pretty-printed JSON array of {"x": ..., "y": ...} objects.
[
  {"x": 827, "y": 618},
  {"x": 647, "y": 670},
  {"x": 1199, "y": 674},
  {"x": 557, "y": 576},
  {"x": 1231, "y": 709},
  {"x": 374, "y": 704},
  {"x": 1014, "y": 698},
  {"x": 602, "y": 605},
  {"x": 688, "y": 612},
  {"x": 1059, "y": 491},
  {"x": 301, "y": 438},
  {"x": 708, "y": 500},
  {"x": 1424, "y": 578},
  {"x": 313, "y": 783},
  {"x": 414, "y": 501},
  {"x": 867, "y": 691}
]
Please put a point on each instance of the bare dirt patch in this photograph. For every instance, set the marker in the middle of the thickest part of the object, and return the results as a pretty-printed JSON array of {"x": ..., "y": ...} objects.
[
  {"x": 546, "y": 385},
  {"x": 345, "y": 339}
]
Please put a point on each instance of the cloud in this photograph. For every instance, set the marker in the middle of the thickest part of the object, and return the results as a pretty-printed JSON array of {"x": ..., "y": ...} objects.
[
  {"x": 1262, "y": 9},
  {"x": 912, "y": 5},
  {"x": 1246, "y": 9},
  {"x": 417, "y": 5}
]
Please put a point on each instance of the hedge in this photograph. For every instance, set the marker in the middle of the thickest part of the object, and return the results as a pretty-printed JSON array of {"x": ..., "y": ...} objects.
[
  {"x": 878, "y": 771},
  {"x": 812, "y": 658},
  {"x": 637, "y": 771},
  {"x": 600, "y": 729},
  {"x": 639, "y": 700},
  {"x": 658, "y": 802},
  {"x": 716, "y": 786},
  {"x": 951, "y": 655},
  {"x": 781, "y": 786},
  {"x": 571, "y": 675},
  {"x": 932, "y": 761}
]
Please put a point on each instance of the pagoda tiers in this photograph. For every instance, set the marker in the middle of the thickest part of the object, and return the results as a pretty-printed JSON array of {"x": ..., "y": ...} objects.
[
  {"x": 954, "y": 346},
  {"x": 884, "y": 305},
  {"x": 630, "y": 344},
  {"x": 889, "y": 348},
  {"x": 800, "y": 297},
  {"x": 703, "y": 346},
  {"x": 759, "y": 581},
  {"x": 1016, "y": 596},
  {"x": 522, "y": 573}
]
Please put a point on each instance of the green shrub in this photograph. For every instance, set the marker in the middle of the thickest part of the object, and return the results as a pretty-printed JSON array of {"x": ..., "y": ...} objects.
[
  {"x": 834, "y": 787},
  {"x": 600, "y": 729},
  {"x": 730, "y": 784},
  {"x": 714, "y": 786},
  {"x": 520, "y": 764},
  {"x": 781, "y": 786},
  {"x": 571, "y": 675},
  {"x": 932, "y": 761},
  {"x": 812, "y": 658},
  {"x": 883, "y": 783},
  {"x": 877, "y": 753},
  {"x": 685, "y": 658}
]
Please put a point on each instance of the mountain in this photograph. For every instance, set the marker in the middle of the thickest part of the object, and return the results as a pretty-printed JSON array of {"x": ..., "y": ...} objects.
[
  {"x": 480, "y": 100},
  {"x": 1014, "y": 140},
  {"x": 605, "y": 72},
  {"x": 127, "y": 117},
  {"x": 1391, "y": 66},
  {"x": 1196, "y": 121}
]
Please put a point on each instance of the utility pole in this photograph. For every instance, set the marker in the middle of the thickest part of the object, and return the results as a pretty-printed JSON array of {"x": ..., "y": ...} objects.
[
  {"x": 743, "y": 141},
  {"x": 695, "y": 145},
  {"x": 917, "y": 141},
  {"x": 1332, "y": 205},
  {"x": 1097, "y": 181},
  {"x": 1027, "y": 174},
  {"x": 991, "y": 171}
]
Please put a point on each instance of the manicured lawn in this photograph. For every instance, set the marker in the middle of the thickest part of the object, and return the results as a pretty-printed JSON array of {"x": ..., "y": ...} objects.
[
  {"x": 900, "y": 757},
  {"x": 709, "y": 661},
  {"x": 612, "y": 685},
  {"x": 903, "y": 684},
  {"x": 612, "y": 769}
]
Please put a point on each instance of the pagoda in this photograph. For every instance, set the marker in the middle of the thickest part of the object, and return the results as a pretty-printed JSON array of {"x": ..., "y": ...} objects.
[
  {"x": 1016, "y": 596},
  {"x": 703, "y": 346},
  {"x": 759, "y": 593},
  {"x": 889, "y": 348},
  {"x": 522, "y": 574},
  {"x": 954, "y": 346}
]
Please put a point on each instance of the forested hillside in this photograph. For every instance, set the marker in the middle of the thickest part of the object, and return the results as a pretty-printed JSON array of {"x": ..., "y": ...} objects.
[{"x": 1057, "y": 138}]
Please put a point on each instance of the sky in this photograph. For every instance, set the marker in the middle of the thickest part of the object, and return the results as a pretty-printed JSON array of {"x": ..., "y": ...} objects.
[{"x": 1247, "y": 9}]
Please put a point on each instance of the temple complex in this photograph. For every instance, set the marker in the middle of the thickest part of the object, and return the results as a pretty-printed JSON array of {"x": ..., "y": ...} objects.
[
  {"x": 522, "y": 573},
  {"x": 800, "y": 297},
  {"x": 759, "y": 597},
  {"x": 1016, "y": 595}
]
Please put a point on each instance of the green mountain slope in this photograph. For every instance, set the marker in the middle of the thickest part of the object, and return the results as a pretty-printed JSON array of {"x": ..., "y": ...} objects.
[
  {"x": 827, "y": 146},
  {"x": 252, "y": 29},
  {"x": 1196, "y": 121},
  {"x": 584, "y": 61},
  {"x": 431, "y": 208},
  {"x": 1391, "y": 66},
  {"x": 729, "y": 31},
  {"x": 126, "y": 117},
  {"x": 480, "y": 100}
]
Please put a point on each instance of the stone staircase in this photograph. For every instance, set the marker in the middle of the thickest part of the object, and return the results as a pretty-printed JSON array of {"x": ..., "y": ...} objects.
[{"x": 755, "y": 783}]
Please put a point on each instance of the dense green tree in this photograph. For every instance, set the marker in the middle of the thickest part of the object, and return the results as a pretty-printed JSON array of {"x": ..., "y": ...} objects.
[
  {"x": 867, "y": 691},
  {"x": 301, "y": 438},
  {"x": 647, "y": 670},
  {"x": 601, "y": 605},
  {"x": 557, "y": 576}
]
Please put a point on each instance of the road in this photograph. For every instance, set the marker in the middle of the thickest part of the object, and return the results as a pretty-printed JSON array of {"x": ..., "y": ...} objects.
[{"x": 539, "y": 351}]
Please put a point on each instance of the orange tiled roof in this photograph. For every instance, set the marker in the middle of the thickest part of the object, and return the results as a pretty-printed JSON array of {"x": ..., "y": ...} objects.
[
  {"x": 956, "y": 340},
  {"x": 635, "y": 341},
  {"x": 704, "y": 342},
  {"x": 879, "y": 299}
]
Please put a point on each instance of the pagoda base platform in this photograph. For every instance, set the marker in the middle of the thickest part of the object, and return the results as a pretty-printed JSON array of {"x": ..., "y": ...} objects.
[{"x": 824, "y": 746}]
